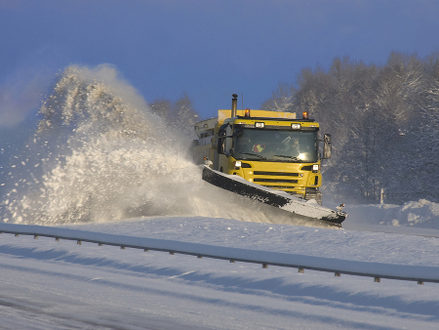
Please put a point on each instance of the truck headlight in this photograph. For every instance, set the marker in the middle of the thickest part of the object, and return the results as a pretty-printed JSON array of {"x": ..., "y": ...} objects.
[
  {"x": 259, "y": 125},
  {"x": 238, "y": 164},
  {"x": 295, "y": 126},
  {"x": 315, "y": 168}
]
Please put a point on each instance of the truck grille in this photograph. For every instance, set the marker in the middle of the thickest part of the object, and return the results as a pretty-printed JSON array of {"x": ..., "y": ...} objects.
[
  {"x": 275, "y": 173},
  {"x": 276, "y": 180}
]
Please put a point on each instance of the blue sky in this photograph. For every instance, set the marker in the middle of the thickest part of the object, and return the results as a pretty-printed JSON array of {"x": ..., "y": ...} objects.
[{"x": 205, "y": 48}]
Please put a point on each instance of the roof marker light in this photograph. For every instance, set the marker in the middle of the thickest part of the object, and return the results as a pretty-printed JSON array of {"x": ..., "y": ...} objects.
[{"x": 305, "y": 115}]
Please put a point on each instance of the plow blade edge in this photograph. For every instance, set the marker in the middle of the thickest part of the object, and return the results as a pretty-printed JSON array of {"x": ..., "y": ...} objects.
[{"x": 280, "y": 199}]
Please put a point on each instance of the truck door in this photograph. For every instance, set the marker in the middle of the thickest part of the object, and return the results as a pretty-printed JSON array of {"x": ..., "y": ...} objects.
[{"x": 225, "y": 142}]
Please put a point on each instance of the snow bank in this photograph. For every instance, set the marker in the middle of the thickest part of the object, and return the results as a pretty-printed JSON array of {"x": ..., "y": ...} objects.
[{"x": 419, "y": 214}]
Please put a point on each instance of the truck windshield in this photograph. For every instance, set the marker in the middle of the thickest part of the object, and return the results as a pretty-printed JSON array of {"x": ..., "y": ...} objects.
[{"x": 275, "y": 145}]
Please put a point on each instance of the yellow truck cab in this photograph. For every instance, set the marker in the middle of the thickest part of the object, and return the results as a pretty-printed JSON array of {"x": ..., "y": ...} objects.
[{"x": 269, "y": 148}]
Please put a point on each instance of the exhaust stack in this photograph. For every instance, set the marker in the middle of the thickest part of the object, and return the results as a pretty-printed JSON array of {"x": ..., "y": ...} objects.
[{"x": 234, "y": 105}]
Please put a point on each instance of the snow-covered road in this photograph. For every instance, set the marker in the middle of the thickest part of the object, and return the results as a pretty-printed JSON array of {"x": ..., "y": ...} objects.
[{"x": 47, "y": 284}]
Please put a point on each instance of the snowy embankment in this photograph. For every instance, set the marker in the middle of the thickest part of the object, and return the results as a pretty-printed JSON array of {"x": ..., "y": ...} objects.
[
  {"x": 377, "y": 270},
  {"x": 64, "y": 285},
  {"x": 416, "y": 217}
]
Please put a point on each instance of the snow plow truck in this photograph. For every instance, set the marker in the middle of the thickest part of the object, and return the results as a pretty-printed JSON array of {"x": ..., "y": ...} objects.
[{"x": 266, "y": 155}]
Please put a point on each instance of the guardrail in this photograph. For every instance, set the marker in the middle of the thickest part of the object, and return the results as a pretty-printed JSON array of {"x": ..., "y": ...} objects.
[{"x": 419, "y": 274}]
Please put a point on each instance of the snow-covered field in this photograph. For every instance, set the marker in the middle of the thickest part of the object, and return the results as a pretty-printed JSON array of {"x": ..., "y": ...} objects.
[{"x": 48, "y": 284}]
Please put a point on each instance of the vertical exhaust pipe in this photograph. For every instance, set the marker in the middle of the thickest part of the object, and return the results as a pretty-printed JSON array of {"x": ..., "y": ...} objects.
[{"x": 234, "y": 105}]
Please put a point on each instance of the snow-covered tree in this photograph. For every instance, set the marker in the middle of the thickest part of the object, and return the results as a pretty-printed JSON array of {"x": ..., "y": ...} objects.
[
  {"x": 185, "y": 115},
  {"x": 162, "y": 108},
  {"x": 282, "y": 99}
]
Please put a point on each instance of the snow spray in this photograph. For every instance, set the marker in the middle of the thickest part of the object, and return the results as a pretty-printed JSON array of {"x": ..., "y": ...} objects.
[{"x": 100, "y": 154}]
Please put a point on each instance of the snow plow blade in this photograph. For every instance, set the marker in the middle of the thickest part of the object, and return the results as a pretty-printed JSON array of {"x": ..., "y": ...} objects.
[{"x": 295, "y": 205}]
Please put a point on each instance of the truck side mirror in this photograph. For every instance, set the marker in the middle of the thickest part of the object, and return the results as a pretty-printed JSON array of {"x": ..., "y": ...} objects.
[{"x": 327, "y": 146}]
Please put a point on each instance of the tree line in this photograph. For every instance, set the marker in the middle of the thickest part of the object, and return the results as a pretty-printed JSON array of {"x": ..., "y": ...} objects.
[
  {"x": 384, "y": 121},
  {"x": 180, "y": 114}
]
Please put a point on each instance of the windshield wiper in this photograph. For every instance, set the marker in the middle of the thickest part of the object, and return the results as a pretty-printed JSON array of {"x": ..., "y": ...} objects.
[
  {"x": 287, "y": 156},
  {"x": 252, "y": 154}
]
